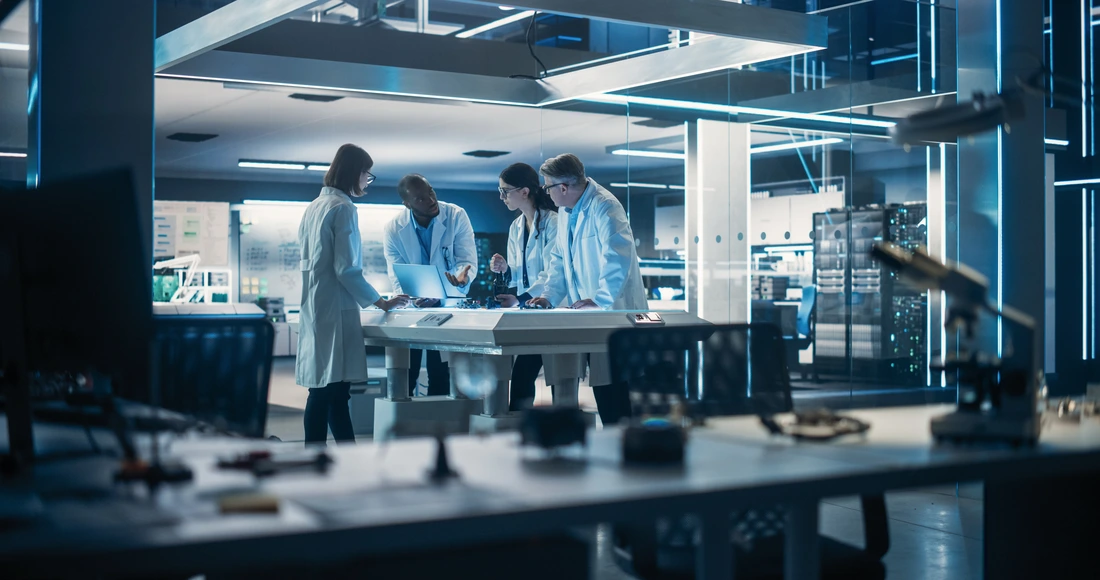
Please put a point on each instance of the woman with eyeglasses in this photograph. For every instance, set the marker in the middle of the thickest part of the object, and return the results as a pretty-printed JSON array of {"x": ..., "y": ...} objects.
[
  {"x": 530, "y": 240},
  {"x": 330, "y": 336}
]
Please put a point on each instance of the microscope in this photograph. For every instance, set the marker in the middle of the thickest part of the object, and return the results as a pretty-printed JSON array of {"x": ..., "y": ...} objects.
[{"x": 998, "y": 396}]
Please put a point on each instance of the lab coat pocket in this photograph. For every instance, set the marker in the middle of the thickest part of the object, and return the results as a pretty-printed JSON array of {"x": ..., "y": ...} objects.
[{"x": 305, "y": 265}]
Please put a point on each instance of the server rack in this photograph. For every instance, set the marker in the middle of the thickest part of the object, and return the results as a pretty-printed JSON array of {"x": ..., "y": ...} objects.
[{"x": 869, "y": 325}]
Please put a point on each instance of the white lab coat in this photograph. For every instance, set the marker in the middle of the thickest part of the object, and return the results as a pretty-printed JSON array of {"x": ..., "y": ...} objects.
[
  {"x": 330, "y": 336},
  {"x": 540, "y": 243},
  {"x": 602, "y": 263},
  {"x": 452, "y": 243}
]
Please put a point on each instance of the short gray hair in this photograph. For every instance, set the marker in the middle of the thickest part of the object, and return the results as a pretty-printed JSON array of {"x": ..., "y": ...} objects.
[{"x": 566, "y": 168}]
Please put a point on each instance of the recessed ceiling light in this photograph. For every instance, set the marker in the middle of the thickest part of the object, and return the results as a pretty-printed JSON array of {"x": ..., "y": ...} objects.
[
  {"x": 314, "y": 98},
  {"x": 251, "y": 164},
  {"x": 12, "y": 154},
  {"x": 191, "y": 137},
  {"x": 14, "y": 46},
  {"x": 648, "y": 153},
  {"x": 506, "y": 8},
  {"x": 486, "y": 154}
]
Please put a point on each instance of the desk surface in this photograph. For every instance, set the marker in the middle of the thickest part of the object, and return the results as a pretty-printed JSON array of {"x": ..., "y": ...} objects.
[
  {"x": 507, "y": 331},
  {"x": 375, "y": 498}
]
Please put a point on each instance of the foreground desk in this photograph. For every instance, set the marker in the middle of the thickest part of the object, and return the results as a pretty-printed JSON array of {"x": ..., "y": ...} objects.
[
  {"x": 479, "y": 346},
  {"x": 375, "y": 499}
]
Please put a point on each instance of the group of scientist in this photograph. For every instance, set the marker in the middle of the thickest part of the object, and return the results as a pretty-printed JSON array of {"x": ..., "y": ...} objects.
[{"x": 581, "y": 257}]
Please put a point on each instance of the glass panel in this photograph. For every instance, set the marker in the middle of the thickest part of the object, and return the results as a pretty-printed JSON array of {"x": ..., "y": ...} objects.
[{"x": 14, "y": 62}]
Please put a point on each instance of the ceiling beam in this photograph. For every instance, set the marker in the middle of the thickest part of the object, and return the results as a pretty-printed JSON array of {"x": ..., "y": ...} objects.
[
  {"x": 708, "y": 16},
  {"x": 222, "y": 26},
  {"x": 303, "y": 74}
]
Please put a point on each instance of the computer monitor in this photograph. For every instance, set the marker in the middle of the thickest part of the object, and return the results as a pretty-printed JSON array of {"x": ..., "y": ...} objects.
[
  {"x": 425, "y": 281},
  {"x": 76, "y": 294}
]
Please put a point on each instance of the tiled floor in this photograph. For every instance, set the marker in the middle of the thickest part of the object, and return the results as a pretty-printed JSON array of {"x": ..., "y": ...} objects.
[{"x": 934, "y": 533}]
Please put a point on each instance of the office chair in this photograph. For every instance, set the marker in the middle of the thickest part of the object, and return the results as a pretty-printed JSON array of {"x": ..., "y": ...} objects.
[
  {"x": 804, "y": 335},
  {"x": 216, "y": 369},
  {"x": 710, "y": 366}
]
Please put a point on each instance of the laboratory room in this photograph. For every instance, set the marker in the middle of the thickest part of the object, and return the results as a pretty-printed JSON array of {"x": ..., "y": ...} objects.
[{"x": 628, "y": 289}]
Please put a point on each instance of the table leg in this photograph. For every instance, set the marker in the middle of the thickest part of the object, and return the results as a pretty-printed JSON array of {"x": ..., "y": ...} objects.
[
  {"x": 714, "y": 558},
  {"x": 566, "y": 392},
  {"x": 802, "y": 548},
  {"x": 397, "y": 374},
  {"x": 496, "y": 403}
]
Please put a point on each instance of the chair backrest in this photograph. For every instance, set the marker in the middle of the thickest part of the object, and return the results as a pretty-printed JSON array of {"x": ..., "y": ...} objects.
[
  {"x": 806, "y": 310},
  {"x": 216, "y": 369},
  {"x": 736, "y": 369}
]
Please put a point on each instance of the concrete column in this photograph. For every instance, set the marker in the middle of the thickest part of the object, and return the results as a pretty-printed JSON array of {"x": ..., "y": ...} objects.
[
  {"x": 717, "y": 206},
  {"x": 90, "y": 102},
  {"x": 1001, "y": 181}
]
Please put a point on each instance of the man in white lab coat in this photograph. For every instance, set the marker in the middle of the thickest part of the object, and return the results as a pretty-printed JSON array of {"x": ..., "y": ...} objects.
[
  {"x": 594, "y": 265},
  {"x": 437, "y": 233}
]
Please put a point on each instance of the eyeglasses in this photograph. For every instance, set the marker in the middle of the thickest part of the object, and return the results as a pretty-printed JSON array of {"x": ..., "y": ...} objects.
[
  {"x": 370, "y": 177},
  {"x": 550, "y": 186},
  {"x": 504, "y": 192}
]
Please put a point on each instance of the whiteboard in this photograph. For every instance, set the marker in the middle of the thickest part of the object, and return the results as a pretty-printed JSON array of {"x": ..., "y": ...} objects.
[
  {"x": 269, "y": 249},
  {"x": 183, "y": 228}
]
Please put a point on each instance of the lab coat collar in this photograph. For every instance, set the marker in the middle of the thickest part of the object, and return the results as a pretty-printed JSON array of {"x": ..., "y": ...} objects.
[{"x": 338, "y": 193}]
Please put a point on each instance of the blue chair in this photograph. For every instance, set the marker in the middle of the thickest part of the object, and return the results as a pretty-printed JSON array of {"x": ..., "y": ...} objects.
[{"x": 804, "y": 338}]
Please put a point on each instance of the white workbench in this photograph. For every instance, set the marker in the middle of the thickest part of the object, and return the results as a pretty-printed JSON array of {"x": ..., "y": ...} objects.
[{"x": 479, "y": 346}]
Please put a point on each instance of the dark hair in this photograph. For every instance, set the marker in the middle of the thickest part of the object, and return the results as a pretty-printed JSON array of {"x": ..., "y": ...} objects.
[
  {"x": 565, "y": 167},
  {"x": 408, "y": 180},
  {"x": 347, "y": 168},
  {"x": 523, "y": 175}
]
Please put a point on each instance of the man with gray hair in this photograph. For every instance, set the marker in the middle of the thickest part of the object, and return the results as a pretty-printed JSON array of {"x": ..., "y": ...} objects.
[{"x": 594, "y": 265}]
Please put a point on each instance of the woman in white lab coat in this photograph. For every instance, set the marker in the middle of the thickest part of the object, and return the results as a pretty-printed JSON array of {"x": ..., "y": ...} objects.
[
  {"x": 530, "y": 242},
  {"x": 330, "y": 339}
]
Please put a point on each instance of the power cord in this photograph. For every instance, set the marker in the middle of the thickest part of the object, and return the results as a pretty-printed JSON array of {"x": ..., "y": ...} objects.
[{"x": 531, "y": 49}]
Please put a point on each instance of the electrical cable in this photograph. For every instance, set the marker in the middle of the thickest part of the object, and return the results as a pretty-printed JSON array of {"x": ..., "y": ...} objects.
[{"x": 531, "y": 49}]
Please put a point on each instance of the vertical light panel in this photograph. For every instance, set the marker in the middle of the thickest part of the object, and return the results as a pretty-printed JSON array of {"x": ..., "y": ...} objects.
[
  {"x": 1086, "y": 22},
  {"x": 918, "y": 39},
  {"x": 1092, "y": 268},
  {"x": 943, "y": 257},
  {"x": 928, "y": 219},
  {"x": 932, "y": 23},
  {"x": 1000, "y": 200},
  {"x": 1084, "y": 278}
]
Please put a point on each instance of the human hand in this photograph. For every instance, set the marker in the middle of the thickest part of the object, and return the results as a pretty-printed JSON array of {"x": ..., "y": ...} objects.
[
  {"x": 539, "y": 302},
  {"x": 586, "y": 304},
  {"x": 398, "y": 301},
  {"x": 507, "y": 300},
  {"x": 498, "y": 264},
  {"x": 426, "y": 302},
  {"x": 462, "y": 279}
]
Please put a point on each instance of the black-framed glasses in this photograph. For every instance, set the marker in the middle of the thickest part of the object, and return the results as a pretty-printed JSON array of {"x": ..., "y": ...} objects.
[
  {"x": 370, "y": 177},
  {"x": 504, "y": 192},
  {"x": 550, "y": 186}
]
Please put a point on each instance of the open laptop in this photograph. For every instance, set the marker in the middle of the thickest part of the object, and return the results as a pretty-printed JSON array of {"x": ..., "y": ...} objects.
[{"x": 426, "y": 281}]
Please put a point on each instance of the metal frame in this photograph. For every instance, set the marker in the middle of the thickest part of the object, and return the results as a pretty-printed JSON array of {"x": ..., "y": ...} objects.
[
  {"x": 222, "y": 26},
  {"x": 747, "y": 34}
]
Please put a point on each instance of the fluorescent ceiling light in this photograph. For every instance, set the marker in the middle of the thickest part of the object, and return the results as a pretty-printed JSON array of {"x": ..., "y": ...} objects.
[
  {"x": 1059, "y": 142},
  {"x": 639, "y": 184},
  {"x": 733, "y": 110},
  {"x": 893, "y": 59},
  {"x": 645, "y": 153},
  {"x": 266, "y": 202},
  {"x": 14, "y": 46},
  {"x": 317, "y": 167},
  {"x": 1077, "y": 182},
  {"x": 795, "y": 145},
  {"x": 677, "y": 187},
  {"x": 506, "y": 8},
  {"x": 495, "y": 24},
  {"x": 271, "y": 165},
  {"x": 12, "y": 154}
]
